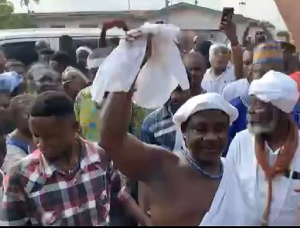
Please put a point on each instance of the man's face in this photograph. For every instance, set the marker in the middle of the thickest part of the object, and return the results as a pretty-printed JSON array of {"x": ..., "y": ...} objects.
[
  {"x": 262, "y": 117},
  {"x": 74, "y": 84},
  {"x": 196, "y": 66},
  {"x": 57, "y": 66},
  {"x": 48, "y": 81},
  {"x": 206, "y": 135},
  {"x": 220, "y": 59},
  {"x": 178, "y": 98},
  {"x": 54, "y": 136},
  {"x": 45, "y": 58},
  {"x": 82, "y": 57},
  {"x": 258, "y": 70}
]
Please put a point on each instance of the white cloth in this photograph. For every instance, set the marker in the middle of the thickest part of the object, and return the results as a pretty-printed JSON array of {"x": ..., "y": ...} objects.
[
  {"x": 277, "y": 88},
  {"x": 83, "y": 48},
  {"x": 230, "y": 206},
  {"x": 235, "y": 89},
  {"x": 94, "y": 63},
  {"x": 162, "y": 73},
  {"x": 215, "y": 84},
  {"x": 284, "y": 208},
  {"x": 204, "y": 102},
  {"x": 97, "y": 57}
]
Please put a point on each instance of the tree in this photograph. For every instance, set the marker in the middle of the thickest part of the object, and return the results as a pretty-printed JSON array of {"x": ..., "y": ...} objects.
[
  {"x": 10, "y": 20},
  {"x": 26, "y": 3}
]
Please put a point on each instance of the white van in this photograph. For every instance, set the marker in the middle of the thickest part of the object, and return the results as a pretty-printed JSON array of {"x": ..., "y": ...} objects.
[{"x": 19, "y": 43}]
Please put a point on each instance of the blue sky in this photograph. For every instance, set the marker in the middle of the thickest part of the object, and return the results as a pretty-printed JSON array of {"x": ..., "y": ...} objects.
[{"x": 258, "y": 9}]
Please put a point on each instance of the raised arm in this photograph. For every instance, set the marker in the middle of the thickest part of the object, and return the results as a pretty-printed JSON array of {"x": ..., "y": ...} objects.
[
  {"x": 229, "y": 28},
  {"x": 135, "y": 159}
]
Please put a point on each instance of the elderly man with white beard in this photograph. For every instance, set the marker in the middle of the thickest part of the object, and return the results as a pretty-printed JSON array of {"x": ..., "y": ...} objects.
[{"x": 267, "y": 154}]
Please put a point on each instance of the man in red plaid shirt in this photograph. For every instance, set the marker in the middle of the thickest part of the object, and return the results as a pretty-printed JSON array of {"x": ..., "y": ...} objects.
[{"x": 65, "y": 181}]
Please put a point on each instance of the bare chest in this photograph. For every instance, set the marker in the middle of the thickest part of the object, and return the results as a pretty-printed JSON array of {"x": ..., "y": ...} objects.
[{"x": 182, "y": 200}]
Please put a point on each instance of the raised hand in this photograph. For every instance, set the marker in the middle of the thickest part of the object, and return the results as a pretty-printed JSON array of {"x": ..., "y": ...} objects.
[
  {"x": 115, "y": 23},
  {"x": 229, "y": 29}
]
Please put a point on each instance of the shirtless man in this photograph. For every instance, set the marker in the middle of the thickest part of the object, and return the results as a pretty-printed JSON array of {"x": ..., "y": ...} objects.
[{"x": 193, "y": 186}]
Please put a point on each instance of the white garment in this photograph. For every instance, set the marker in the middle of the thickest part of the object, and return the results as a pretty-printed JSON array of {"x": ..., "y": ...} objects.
[
  {"x": 204, "y": 102},
  {"x": 277, "y": 88},
  {"x": 215, "y": 84},
  {"x": 158, "y": 78},
  {"x": 230, "y": 206},
  {"x": 284, "y": 208},
  {"x": 235, "y": 89}
]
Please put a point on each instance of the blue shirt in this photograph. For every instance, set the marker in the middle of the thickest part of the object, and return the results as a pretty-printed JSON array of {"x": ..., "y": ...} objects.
[
  {"x": 158, "y": 129},
  {"x": 296, "y": 113}
]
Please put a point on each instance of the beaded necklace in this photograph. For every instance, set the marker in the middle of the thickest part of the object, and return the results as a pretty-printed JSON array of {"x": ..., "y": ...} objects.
[{"x": 203, "y": 172}]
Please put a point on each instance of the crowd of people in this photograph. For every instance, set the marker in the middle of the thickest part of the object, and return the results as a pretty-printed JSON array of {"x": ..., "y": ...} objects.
[{"x": 224, "y": 152}]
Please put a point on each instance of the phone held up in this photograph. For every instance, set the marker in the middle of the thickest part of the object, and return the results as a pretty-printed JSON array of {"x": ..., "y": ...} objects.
[{"x": 227, "y": 14}]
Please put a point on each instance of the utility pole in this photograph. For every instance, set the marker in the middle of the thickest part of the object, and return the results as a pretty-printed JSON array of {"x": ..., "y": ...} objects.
[
  {"x": 128, "y": 5},
  {"x": 167, "y": 3}
]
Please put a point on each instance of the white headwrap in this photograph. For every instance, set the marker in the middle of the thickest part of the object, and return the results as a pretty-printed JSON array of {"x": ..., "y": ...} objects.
[
  {"x": 83, "y": 48},
  {"x": 277, "y": 88},
  {"x": 204, "y": 102}
]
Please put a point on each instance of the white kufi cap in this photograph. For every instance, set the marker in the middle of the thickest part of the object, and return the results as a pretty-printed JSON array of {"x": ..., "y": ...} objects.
[{"x": 202, "y": 102}]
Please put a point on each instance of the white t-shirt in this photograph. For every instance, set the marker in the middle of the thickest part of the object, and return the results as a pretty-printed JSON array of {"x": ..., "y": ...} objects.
[
  {"x": 235, "y": 89},
  {"x": 284, "y": 208},
  {"x": 215, "y": 84}
]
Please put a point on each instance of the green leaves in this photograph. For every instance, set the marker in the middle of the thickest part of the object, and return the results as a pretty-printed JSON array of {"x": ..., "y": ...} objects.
[{"x": 9, "y": 20}]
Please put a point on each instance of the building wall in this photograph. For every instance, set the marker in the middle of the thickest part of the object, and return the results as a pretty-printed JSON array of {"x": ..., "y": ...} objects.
[{"x": 184, "y": 19}]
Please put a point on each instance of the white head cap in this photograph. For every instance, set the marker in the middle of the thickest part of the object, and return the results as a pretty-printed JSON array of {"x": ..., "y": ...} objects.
[
  {"x": 277, "y": 88},
  {"x": 202, "y": 102},
  {"x": 83, "y": 48}
]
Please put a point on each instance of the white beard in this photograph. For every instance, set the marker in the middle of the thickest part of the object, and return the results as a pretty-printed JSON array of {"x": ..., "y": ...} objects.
[{"x": 257, "y": 130}]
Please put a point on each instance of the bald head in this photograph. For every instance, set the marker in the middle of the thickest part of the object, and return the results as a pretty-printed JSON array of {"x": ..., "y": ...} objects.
[{"x": 196, "y": 64}]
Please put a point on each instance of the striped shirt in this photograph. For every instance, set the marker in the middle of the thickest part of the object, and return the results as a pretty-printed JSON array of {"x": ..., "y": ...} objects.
[
  {"x": 158, "y": 129},
  {"x": 38, "y": 193}
]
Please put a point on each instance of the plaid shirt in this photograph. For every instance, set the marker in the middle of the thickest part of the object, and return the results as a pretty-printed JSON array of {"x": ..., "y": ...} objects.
[
  {"x": 38, "y": 193},
  {"x": 158, "y": 129}
]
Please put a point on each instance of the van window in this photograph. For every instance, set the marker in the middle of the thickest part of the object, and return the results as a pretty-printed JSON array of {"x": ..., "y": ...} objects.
[
  {"x": 91, "y": 43},
  {"x": 22, "y": 51}
]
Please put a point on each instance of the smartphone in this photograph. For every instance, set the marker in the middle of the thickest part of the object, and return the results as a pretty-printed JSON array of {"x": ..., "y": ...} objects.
[{"x": 227, "y": 13}]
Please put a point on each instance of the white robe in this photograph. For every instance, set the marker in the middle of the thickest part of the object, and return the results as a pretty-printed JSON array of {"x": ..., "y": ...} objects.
[
  {"x": 230, "y": 206},
  {"x": 284, "y": 208}
]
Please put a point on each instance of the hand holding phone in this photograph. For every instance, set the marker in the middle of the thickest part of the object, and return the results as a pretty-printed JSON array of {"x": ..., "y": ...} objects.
[
  {"x": 227, "y": 25},
  {"x": 227, "y": 14}
]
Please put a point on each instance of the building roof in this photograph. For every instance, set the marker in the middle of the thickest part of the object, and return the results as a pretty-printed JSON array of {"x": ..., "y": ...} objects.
[{"x": 138, "y": 14}]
